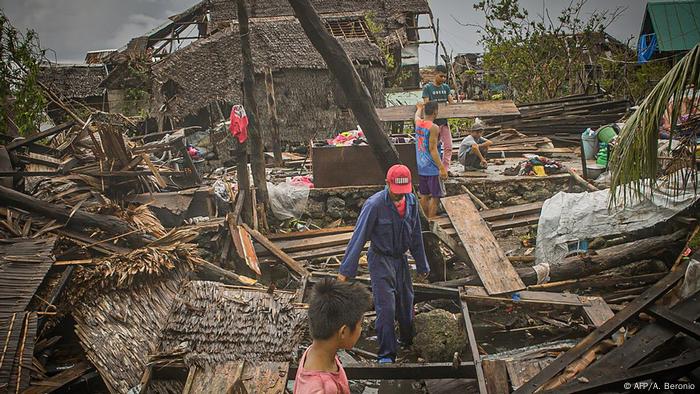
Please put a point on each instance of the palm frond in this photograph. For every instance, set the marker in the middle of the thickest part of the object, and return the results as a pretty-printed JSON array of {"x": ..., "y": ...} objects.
[{"x": 634, "y": 162}]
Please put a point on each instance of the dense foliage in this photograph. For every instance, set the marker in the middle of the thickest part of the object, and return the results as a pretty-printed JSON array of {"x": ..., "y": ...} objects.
[
  {"x": 21, "y": 99},
  {"x": 548, "y": 58}
]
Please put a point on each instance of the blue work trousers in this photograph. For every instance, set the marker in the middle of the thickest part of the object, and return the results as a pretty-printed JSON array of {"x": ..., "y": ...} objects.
[{"x": 392, "y": 290}]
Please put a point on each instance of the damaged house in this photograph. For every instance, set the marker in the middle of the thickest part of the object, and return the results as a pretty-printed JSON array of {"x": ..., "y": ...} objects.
[
  {"x": 76, "y": 82},
  {"x": 188, "y": 84}
]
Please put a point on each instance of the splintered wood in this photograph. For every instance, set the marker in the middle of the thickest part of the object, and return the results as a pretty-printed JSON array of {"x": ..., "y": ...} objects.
[
  {"x": 490, "y": 261},
  {"x": 599, "y": 311}
]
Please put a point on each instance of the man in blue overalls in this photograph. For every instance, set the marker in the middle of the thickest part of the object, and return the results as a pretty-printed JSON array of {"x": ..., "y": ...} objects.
[{"x": 390, "y": 219}]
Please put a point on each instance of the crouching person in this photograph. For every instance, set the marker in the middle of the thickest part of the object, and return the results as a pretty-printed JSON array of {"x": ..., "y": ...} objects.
[
  {"x": 474, "y": 149},
  {"x": 335, "y": 321}
]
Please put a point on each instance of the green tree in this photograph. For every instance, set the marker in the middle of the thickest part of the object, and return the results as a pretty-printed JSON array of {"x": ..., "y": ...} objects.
[
  {"x": 20, "y": 93},
  {"x": 538, "y": 59},
  {"x": 634, "y": 162}
]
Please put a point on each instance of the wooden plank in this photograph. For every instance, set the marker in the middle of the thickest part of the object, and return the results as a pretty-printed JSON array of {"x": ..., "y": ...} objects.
[
  {"x": 496, "y": 376},
  {"x": 405, "y": 371},
  {"x": 520, "y": 371},
  {"x": 473, "y": 346},
  {"x": 284, "y": 257},
  {"x": 598, "y": 311},
  {"x": 59, "y": 380},
  {"x": 647, "y": 340},
  {"x": 686, "y": 361},
  {"x": 38, "y": 136},
  {"x": 265, "y": 377},
  {"x": 604, "y": 331},
  {"x": 482, "y": 109},
  {"x": 297, "y": 245},
  {"x": 512, "y": 211},
  {"x": 490, "y": 261},
  {"x": 309, "y": 233},
  {"x": 680, "y": 322},
  {"x": 159, "y": 179},
  {"x": 525, "y": 296}
]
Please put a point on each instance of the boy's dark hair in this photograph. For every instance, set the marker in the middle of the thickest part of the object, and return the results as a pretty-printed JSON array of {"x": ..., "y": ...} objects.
[
  {"x": 441, "y": 69},
  {"x": 335, "y": 304},
  {"x": 431, "y": 108}
]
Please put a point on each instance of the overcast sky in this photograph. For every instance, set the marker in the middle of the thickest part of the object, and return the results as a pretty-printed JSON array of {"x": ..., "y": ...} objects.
[{"x": 73, "y": 27}]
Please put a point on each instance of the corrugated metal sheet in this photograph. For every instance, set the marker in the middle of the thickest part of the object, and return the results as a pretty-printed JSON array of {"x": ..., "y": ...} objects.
[{"x": 675, "y": 22}]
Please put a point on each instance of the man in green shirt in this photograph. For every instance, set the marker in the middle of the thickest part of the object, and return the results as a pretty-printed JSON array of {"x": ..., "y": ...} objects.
[{"x": 440, "y": 91}]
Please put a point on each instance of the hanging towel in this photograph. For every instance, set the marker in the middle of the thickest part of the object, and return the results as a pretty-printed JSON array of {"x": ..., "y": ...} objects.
[{"x": 239, "y": 123}]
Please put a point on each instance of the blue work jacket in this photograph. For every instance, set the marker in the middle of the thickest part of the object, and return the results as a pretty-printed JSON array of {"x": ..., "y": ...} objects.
[{"x": 390, "y": 235}]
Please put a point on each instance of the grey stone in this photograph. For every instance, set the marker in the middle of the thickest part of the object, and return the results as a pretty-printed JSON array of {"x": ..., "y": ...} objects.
[
  {"x": 439, "y": 335},
  {"x": 316, "y": 209},
  {"x": 335, "y": 207}
]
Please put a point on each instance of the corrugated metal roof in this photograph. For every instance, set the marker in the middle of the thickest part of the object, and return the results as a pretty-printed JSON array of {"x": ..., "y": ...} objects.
[{"x": 675, "y": 22}]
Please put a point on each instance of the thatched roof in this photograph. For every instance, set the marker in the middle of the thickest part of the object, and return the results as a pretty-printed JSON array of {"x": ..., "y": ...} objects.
[
  {"x": 208, "y": 70},
  {"x": 211, "y": 323},
  {"x": 225, "y": 10},
  {"x": 74, "y": 80},
  {"x": 120, "y": 328}
]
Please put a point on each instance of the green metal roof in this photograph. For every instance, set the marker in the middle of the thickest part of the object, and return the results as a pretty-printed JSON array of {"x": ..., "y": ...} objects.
[{"x": 675, "y": 22}]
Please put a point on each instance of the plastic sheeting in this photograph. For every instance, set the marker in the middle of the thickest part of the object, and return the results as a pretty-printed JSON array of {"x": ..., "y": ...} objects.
[
  {"x": 287, "y": 200},
  {"x": 569, "y": 217}
]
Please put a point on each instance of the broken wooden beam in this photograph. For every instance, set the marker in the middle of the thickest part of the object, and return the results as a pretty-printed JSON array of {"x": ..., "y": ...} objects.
[
  {"x": 603, "y": 332},
  {"x": 72, "y": 218},
  {"x": 607, "y": 258},
  {"x": 577, "y": 178},
  {"x": 277, "y": 252},
  {"x": 490, "y": 261},
  {"x": 38, "y": 136}
]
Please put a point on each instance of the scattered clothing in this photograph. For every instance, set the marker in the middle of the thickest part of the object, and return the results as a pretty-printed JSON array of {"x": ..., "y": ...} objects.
[
  {"x": 320, "y": 382},
  {"x": 302, "y": 180},
  {"x": 437, "y": 93},
  {"x": 426, "y": 165},
  {"x": 239, "y": 123},
  {"x": 390, "y": 236},
  {"x": 527, "y": 167},
  {"x": 431, "y": 186},
  {"x": 347, "y": 138}
]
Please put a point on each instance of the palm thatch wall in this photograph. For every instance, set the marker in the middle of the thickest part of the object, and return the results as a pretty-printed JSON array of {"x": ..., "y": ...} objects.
[
  {"x": 209, "y": 71},
  {"x": 211, "y": 323},
  {"x": 120, "y": 329}
]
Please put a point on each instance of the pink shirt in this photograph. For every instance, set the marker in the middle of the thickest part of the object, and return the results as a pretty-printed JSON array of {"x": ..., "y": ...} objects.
[
  {"x": 319, "y": 382},
  {"x": 445, "y": 137}
]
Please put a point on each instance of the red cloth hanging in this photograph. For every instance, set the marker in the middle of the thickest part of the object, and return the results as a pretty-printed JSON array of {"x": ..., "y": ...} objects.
[{"x": 239, "y": 123}]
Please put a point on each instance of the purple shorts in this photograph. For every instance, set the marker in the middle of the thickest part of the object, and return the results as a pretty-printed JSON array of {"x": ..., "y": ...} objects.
[{"x": 431, "y": 186}]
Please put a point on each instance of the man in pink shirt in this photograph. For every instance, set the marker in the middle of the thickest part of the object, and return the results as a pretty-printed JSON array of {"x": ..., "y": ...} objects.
[{"x": 335, "y": 322}]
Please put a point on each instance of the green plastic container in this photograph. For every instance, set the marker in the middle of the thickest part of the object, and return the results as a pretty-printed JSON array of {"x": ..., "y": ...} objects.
[{"x": 606, "y": 134}]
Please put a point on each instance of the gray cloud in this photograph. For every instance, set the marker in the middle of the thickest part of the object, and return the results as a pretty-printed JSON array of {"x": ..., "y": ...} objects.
[{"x": 73, "y": 27}]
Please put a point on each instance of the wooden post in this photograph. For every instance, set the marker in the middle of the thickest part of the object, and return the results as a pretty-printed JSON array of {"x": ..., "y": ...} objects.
[
  {"x": 241, "y": 155},
  {"x": 257, "y": 152},
  {"x": 272, "y": 109},
  {"x": 360, "y": 101},
  {"x": 355, "y": 90}
]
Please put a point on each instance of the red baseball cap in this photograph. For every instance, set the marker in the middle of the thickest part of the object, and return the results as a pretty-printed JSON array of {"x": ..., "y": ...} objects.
[{"x": 399, "y": 178}]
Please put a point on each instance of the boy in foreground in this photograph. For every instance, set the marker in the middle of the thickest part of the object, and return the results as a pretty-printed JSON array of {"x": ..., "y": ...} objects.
[{"x": 335, "y": 321}]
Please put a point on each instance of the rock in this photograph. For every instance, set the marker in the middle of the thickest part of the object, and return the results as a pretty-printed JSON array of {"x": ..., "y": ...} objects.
[
  {"x": 335, "y": 207},
  {"x": 439, "y": 335},
  {"x": 315, "y": 209}
]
